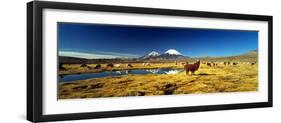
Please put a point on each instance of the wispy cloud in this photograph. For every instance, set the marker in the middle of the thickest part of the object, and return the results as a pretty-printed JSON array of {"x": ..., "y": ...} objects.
[{"x": 96, "y": 55}]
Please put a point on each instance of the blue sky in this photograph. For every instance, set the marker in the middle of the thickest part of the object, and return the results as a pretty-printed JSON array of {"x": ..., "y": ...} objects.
[{"x": 123, "y": 41}]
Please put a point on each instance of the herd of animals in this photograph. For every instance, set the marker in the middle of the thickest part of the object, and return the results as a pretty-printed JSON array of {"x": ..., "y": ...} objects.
[
  {"x": 210, "y": 64},
  {"x": 189, "y": 68},
  {"x": 195, "y": 66},
  {"x": 98, "y": 66}
]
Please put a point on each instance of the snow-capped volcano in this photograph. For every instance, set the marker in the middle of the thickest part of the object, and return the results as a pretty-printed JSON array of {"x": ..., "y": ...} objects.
[
  {"x": 151, "y": 55},
  {"x": 172, "y": 52}
]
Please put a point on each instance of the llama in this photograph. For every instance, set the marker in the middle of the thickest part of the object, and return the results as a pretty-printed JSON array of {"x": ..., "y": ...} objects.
[
  {"x": 253, "y": 63},
  {"x": 146, "y": 64},
  {"x": 228, "y": 63},
  {"x": 209, "y": 64},
  {"x": 84, "y": 65},
  {"x": 191, "y": 67},
  {"x": 117, "y": 65},
  {"x": 110, "y": 65},
  {"x": 129, "y": 65},
  {"x": 98, "y": 66}
]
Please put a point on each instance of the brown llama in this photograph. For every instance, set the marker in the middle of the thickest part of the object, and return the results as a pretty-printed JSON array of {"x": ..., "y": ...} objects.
[
  {"x": 191, "y": 67},
  {"x": 209, "y": 64},
  {"x": 253, "y": 63},
  {"x": 129, "y": 65},
  {"x": 110, "y": 65},
  {"x": 98, "y": 66},
  {"x": 84, "y": 65}
]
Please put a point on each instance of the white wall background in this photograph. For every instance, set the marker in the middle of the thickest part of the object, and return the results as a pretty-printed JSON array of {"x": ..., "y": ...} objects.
[{"x": 13, "y": 52}]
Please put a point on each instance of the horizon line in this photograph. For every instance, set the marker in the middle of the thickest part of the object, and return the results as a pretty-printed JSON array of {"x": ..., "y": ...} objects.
[{"x": 114, "y": 55}]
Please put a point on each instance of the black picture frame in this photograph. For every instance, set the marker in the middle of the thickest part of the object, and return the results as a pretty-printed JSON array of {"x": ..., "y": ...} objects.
[{"x": 35, "y": 69}]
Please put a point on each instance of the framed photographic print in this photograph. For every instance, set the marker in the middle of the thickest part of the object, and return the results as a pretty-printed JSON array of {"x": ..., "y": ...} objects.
[{"x": 95, "y": 61}]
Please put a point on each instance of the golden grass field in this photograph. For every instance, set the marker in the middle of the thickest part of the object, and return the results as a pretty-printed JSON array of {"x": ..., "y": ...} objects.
[{"x": 229, "y": 78}]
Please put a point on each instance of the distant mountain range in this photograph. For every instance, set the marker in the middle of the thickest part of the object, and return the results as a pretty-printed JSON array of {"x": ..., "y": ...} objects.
[
  {"x": 152, "y": 54},
  {"x": 169, "y": 55}
]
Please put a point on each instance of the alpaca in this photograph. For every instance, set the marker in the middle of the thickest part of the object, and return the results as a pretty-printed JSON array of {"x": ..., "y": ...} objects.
[
  {"x": 191, "y": 67},
  {"x": 117, "y": 65},
  {"x": 146, "y": 64},
  {"x": 98, "y": 66},
  {"x": 228, "y": 63},
  {"x": 253, "y": 63},
  {"x": 129, "y": 65},
  {"x": 110, "y": 65},
  {"x": 84, "y": 65}
]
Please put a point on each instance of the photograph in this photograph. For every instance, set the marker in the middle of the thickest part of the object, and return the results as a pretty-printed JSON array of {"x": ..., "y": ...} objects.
[{"x": 108, "y": 60}]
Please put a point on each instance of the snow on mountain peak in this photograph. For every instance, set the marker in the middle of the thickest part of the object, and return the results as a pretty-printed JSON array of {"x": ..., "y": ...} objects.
[
  {"x": 153, "y": 53},
  {"x": 173, "y": 52}
]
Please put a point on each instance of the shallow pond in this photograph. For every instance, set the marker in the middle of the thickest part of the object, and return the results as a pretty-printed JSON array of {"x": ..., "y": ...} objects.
[{"x": 76, "y": 77}]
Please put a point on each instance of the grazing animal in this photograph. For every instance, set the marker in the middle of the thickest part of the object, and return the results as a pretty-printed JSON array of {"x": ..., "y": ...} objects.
[
  {"x": 61, "y": 68},
  {"x": 110, "y": 65},
  {"x": 129, "y": 65},
  {"x": 191, "y": 67},
  {"x": 84, "y": 65},
  {"x": 209, "y": 64},
  {"x": 146, "y": 64},
  {"x": 253, "y": 63},
  {"x": 98, "y": 66},
  {"x": 183, "y": 63},
  {"x": 224, "y": 63},
  {"x": 117, "y": 65},
  {"x": 234, "y": 63}
]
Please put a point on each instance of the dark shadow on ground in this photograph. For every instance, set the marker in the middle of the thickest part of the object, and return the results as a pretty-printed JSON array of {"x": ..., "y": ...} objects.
[{"x": 203, "y": 74}]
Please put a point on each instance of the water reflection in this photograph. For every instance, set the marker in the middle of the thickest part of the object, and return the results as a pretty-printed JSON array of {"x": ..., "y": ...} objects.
[
  {"x": 173, "y": 71},
  {"x": 153, "y": 71},
  {"x": 76, "y": 77}
]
